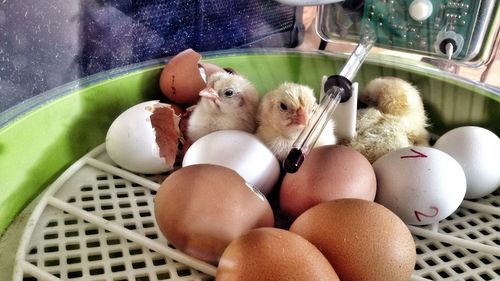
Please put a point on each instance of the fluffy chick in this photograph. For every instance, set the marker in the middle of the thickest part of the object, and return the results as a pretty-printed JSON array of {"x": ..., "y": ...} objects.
[
  {"x": 283, "y": 114},
  {"x": 394, "y": 118},
  {"x": 229, "y": 101}
]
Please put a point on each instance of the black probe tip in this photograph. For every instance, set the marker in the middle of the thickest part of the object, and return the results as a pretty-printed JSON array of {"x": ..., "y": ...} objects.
[{"x": 293, "y": 161}]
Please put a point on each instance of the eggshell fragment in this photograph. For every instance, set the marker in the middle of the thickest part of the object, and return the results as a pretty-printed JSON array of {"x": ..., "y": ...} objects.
[
  {"x": 328, "y": 172},
  {"x": 422, "y": 185},
  {"x": 184, "y": 76},
  {"x": 269, "y": 254},
  {"x": 144, "y": 138},
  {"x": 165, "y": 122},
  {"x": 361, "y": 239},
  {"x": 201, "y": 208},
  {"x": 477, "y": 150}
]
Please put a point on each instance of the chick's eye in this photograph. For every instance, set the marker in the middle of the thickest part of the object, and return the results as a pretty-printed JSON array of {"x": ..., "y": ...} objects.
[
  {"x": 283, "y": 106},
  {"x": 228, "y": 93}
]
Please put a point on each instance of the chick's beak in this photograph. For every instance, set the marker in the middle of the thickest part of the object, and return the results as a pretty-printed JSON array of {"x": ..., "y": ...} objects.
[
  {"x": 209, "y": 93},
  {"x": 300, "y": 117}
]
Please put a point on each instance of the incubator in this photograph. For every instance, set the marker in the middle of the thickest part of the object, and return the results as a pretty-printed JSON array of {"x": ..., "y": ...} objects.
[{"x": 68, "y": 69}]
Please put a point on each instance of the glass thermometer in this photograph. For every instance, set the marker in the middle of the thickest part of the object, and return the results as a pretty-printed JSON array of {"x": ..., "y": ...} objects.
[{"x": 337, "y": 89}]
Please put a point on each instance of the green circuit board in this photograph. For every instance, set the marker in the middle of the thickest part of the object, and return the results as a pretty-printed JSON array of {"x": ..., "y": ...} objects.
[{"x": 459, "y": 22}]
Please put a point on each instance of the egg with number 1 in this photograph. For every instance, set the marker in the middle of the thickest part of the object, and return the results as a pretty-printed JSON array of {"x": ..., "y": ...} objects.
[{"x": 422, "y": 185}]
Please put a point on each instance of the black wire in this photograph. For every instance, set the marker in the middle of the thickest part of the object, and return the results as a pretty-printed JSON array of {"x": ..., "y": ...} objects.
[{"x": 322, "y": 45}]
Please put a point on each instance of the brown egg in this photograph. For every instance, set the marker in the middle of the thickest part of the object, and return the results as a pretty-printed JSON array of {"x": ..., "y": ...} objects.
[
  {"x": 269, "y": 254},
  {"x": 362, "y": 240},
  {"x": 328, "y": 172},
  {"x": 181, "y": 80},
  {"x": 201, "y": 208}
]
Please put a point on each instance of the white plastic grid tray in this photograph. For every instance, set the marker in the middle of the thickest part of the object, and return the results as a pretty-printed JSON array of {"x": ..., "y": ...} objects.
[{"x": 96, "y": 222}]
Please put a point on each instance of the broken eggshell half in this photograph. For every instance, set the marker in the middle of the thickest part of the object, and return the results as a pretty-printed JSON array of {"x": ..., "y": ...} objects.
[
  {"x": 145, "y": 137},
  {"x": 184, "y": 76}
]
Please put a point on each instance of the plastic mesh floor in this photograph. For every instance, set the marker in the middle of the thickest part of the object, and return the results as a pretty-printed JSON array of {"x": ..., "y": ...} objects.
[{"x": 96, "y": 222}]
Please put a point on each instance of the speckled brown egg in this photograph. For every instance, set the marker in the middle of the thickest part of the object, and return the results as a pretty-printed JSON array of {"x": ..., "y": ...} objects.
[
  {"x": 201, "y": 208},
  {"x": 329, "y": 172},
  {"x": 271, "y": 254},
  {"x": 362, "y": 240},
  {"x": 184, "y": 76}
]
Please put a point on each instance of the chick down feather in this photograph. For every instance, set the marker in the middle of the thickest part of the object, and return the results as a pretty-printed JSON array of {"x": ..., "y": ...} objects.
[
  {"x": 394, "y": 118},
  {"x": 282, "y": 115},
  {"x": 229, "y": 101}
]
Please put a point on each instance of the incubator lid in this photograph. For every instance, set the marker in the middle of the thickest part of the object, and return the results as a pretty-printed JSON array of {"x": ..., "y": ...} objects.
[{"x": 43, "y": 46}]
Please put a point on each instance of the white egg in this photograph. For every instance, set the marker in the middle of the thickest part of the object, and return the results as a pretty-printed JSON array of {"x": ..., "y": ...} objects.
[
  {"x": 131, "y": 141},
  {"x": 422, "y": 185},
  {"x": 478, "y": 152},
  {"x": 240, "y": 151}
]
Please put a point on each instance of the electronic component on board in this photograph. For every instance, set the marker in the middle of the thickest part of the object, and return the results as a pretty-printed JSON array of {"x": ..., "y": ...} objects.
[{"x": 453, "y": 29}]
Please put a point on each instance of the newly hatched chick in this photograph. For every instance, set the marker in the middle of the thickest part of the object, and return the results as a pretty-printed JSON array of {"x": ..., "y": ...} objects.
[
  {"x": 283, "y": 114},
  {"x": 395, "y": 118},
  {"x": 229, "y": 101}
]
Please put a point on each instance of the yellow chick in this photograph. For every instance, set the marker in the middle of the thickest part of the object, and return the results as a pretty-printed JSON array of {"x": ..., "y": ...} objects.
[
  {"x": 229, "y": 101},
  {"x": 282, "y": 115},
  {"x": 394, "y": 118}
]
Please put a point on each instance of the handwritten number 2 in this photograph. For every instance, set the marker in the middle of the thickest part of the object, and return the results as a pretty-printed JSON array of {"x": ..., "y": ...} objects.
[{"x": 419, "y": 214}]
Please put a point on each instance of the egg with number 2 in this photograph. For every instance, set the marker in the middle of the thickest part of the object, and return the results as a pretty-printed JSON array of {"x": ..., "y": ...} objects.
[{"x": 422, "y": 185}]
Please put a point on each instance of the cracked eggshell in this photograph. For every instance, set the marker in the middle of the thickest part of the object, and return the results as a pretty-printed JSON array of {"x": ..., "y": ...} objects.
[
  {"x": 144, "y": 138},
  {"x": 184, "y": 76}
]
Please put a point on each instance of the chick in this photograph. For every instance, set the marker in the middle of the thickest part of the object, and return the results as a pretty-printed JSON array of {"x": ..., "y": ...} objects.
[
  {"x": 229, "y": 101},
  {"x": 283, "y": 114},
  {"x": 394, "y": 118}
]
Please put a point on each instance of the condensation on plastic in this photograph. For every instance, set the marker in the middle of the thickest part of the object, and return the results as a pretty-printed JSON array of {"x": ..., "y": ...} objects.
[
  {"x": 96, "y": 222},
  {"x": 43, "y": 46}
]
